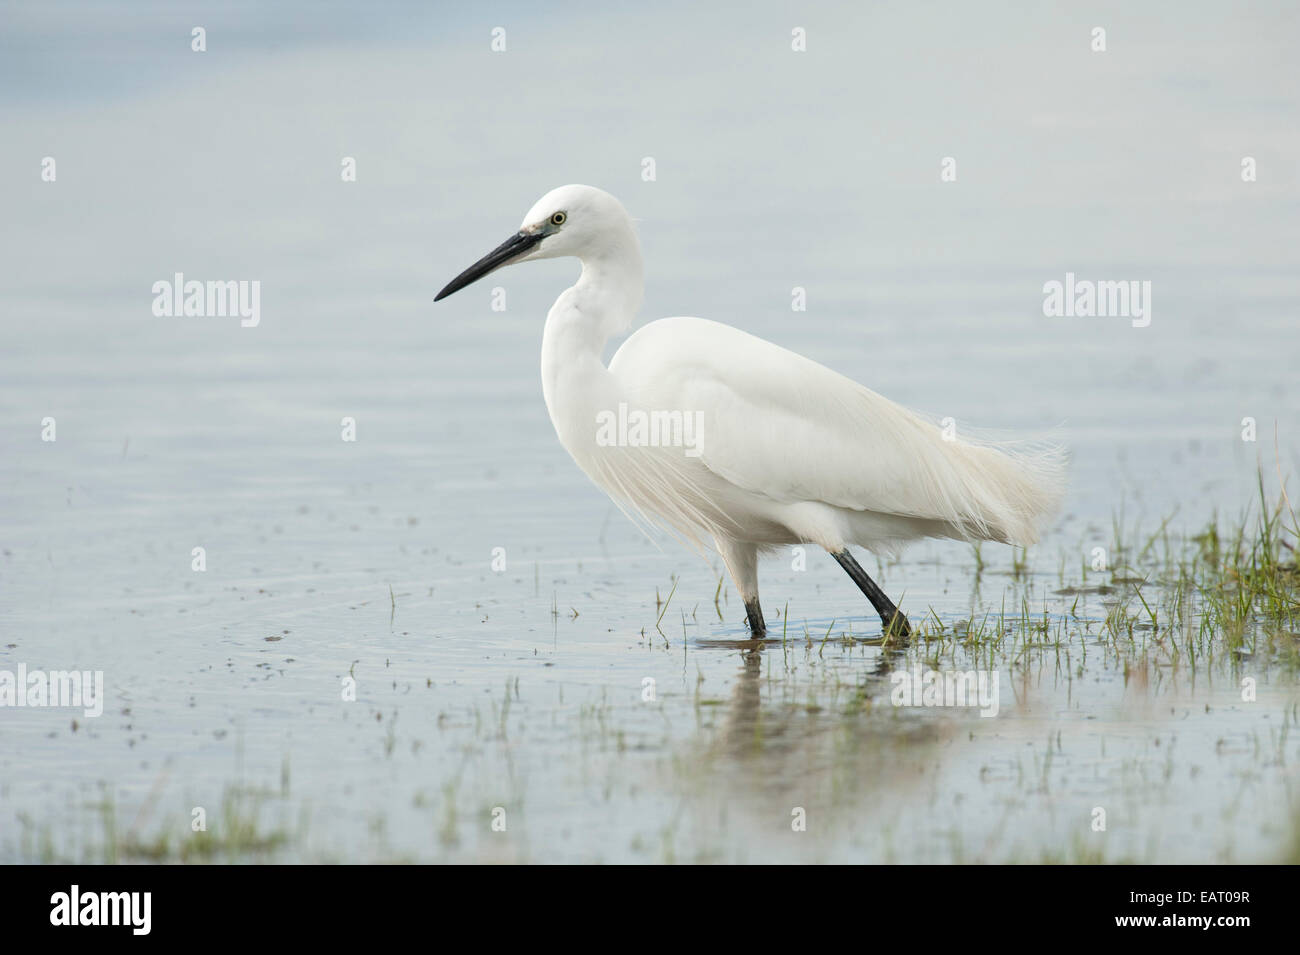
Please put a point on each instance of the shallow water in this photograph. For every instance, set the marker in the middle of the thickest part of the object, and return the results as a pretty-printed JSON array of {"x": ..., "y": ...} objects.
[{"x": 523, "y": 690}]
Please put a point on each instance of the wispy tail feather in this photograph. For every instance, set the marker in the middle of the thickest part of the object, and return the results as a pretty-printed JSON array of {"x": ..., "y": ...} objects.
[{"x": 1003, "y": 491}]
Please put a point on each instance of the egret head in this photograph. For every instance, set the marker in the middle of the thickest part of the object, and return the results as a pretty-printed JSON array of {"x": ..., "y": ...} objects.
[{"x": 580, "y": 221}]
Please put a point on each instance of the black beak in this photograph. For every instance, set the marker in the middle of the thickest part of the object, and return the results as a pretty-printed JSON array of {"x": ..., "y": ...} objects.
[{"x": 511, "y": 248}]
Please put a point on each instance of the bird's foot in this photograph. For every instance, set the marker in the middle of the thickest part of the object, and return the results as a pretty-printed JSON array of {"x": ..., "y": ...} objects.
[
  {"x": 895, "y": 627},
  {"x": 754, "y": 614}
]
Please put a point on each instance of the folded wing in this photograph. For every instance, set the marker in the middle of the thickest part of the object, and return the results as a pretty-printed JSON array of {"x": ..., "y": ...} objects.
[{"x": 781, "y": 425}]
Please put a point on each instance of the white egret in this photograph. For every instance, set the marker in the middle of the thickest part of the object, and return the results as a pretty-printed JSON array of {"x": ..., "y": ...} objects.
[{"x": 728, "y": 439}]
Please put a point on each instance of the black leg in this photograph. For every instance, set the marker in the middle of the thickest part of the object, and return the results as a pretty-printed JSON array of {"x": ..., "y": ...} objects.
[
  {"x": 757, "y": 628},
  {"x": 890, "y": 615}
]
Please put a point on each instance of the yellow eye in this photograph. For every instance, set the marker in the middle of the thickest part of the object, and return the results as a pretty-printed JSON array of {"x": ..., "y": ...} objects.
[{"x": 558, "y": 218}]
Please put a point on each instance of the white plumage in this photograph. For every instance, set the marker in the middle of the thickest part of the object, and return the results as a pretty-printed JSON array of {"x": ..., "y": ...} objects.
[{"x": 788, "y": 451}]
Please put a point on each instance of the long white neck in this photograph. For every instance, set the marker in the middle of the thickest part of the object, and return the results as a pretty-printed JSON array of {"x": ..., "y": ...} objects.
[{"x": 605, "y": 300}]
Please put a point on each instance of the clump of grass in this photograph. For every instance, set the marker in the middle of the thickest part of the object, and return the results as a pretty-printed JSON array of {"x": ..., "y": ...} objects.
[
  {"x": 1249, "y": 576},
  {"x": 235, "y": 835},
  {"x": 1226, "y": 590}
]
